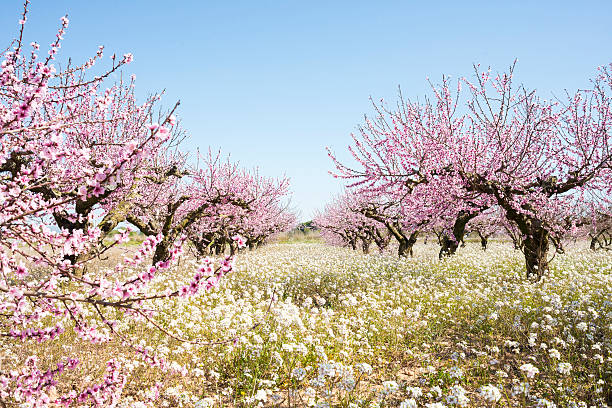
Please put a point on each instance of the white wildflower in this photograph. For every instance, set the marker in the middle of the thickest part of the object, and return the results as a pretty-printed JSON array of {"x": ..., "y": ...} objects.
[
  {"x": 490, "y": 393},
  {"x": 529, "y": 369},
  {"x": 564, "y": 368}
]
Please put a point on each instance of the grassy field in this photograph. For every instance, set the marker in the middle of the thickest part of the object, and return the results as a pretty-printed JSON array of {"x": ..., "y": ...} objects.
[{"x": 341, "y": 329}]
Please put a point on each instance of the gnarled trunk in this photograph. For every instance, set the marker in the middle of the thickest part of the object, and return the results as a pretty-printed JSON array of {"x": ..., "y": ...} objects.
[
  {"x": 601, "y": 240},
  {"x": 406, "y": 244},
  {"x": 535, "y": 243},
  {"x": 535, "y": 247},
  {"x": 381, "y": 240},
  {"x": 403, "y": 248},
  {"x": 450, "y": 244},
  {"x": 412, "y": 239}
]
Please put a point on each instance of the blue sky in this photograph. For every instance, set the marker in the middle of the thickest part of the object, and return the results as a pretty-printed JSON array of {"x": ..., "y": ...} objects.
[{"x": 273, "y": 83}]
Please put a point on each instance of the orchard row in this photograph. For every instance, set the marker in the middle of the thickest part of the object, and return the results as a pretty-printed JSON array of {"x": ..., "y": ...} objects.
[{"x": 482, "y": 154}]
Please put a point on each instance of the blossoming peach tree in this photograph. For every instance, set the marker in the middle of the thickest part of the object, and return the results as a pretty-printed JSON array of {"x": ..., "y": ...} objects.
[
  {"x": 74, "y": 153},
  {"x": 399, "y": 166},
  {"x": 342, "y": 223},
  {"x": 245, "y": 204}
]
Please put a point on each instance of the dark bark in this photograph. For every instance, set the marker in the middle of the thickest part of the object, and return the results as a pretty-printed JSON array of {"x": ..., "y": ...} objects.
[
  {"x": 483, "y": 241},
  {"x": 535, "y": 247},
  {"x": 172, "y": 230},
  {"x": 202, "y": 244},
  {"x": 380, "y": 239},
  {"x": 406, "y": 244},
  {"x": 450, "y": 244},
  {"x": 64, "y": 221},
  {"x": 365, "y": 245},
  {"x": 535, "y": 243},
  {"x": 601, "y": 240},
  {"x": 411, "y": 241},
  {"x": 403, "y": 249}
]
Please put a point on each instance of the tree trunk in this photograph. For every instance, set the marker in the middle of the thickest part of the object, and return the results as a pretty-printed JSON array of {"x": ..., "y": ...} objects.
[
  {"x": 535, "y": 247},
  {"x": 403, "y": 248},
  {"x": 601, "y": 240},
  {"x": 162, "y": 252},
  {"x": 450, "y": 244},
  {"x": 201, "y": 245},
  {"x": 365, "y": 246},
  {"x": 406, "y": 244},
  {"x": 64, "y": 221},
  {"x": 534, "y": 242},
  {"x": 483, "y": 241},
  {"x": 411, "y": 241},
  {"x": 381, "y": 240}
]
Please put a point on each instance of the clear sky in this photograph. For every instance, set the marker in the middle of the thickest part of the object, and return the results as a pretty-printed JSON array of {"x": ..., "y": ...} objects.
[{"x": 274, "y": 82}]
